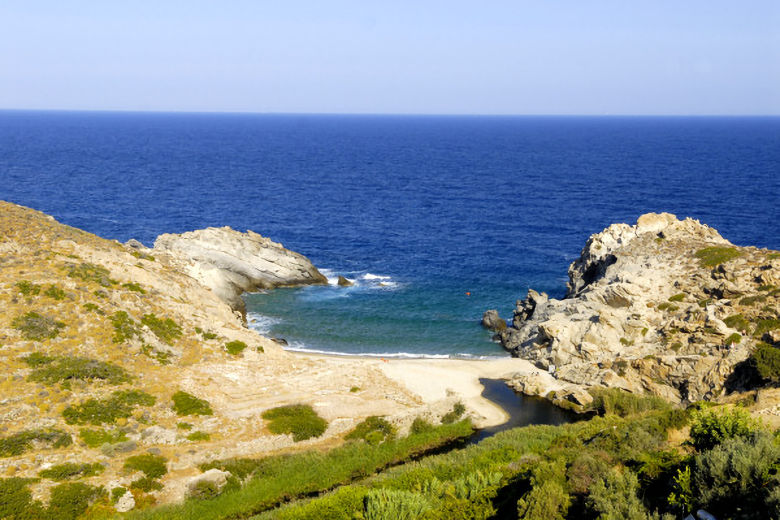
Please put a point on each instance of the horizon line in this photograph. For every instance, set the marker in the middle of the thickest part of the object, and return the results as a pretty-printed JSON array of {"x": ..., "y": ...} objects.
[{"x": 382, "y": 114}]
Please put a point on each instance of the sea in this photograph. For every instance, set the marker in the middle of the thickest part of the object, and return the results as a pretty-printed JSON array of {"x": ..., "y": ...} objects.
[{"x": 434, "y": 218}]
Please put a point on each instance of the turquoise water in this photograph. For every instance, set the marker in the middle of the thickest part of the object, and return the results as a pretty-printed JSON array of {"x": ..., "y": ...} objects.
[{"x": 439, "y": 206}]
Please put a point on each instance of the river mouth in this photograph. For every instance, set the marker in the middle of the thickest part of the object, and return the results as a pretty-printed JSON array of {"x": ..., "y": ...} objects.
[{"x": 523, "y": 410}]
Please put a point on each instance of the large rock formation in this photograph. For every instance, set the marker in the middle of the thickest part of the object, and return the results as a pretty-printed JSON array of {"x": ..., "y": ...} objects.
[
  {"x": 231, "y": 263},
  {"x": 653, "y": 307}
]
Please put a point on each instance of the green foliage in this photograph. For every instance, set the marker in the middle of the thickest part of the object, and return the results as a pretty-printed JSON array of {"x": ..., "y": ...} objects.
[
  {"x": 99, "y": 437},
  {"x": 36, "y": 359},
  {"x": 616, "y": 497},
  {"x": 677, "y": 297},
  {"x": 165, "y": 329},
  {"x": 37, "y": 327},
  {"x": 585, "y": 470},
  {"x": 146, "y": 484},
  {"x": 27, "y": 288},
  {"x": 124, "y": 327},
  {"x": 198, "y": 436},
  {"x": 765, "y": 325},
  {"x": 682, "y": 496},
  {"x": 71, "y": 470},
  {"x": 390, "y": 504},
  {"x": 354, "y": 389},
  {"x": 339, "y": 505},
  {"x": 458, "y": 409},
  {"x": 547, "y": 498},
  {"x": 711, "y": 427},
  {"x": 92, "y": 307},
  {"x": 188, "y": 404},
  {"x": 117, "y": 493},
  {"x": 737, "y": 321},
  {"x": 66, "y": 368},
  {"x": 206, "y": 334},
  {"x": 766, "y": 359},
  {"x": 101, "y": 411},
  {"x": 142, "y": 256},
  {"x": 241, "y": 468},
  {"x": 16, "y": 501},
  {"x": 54, "y": 293},
  {"x": 372, "y": 429},
  {"x": 420, "y": 425},
  {"x": 69, "y": 501},
  {"x": 153, "y": 466},
  {"x": 712, "y": 256},
  {"x": 619, "y": 402},
  {"x": 204, "y": 490},
  {"x": 298, "y": 419},
  {"x": 135, "y": 287},
  {"x": 752, "y": 300},
  {"x": 733, "y": 339},
  {"x": 90, "y": 273},
  {"x": 22, "y": 441},
  {"x": 184, "y": 426},
  {"x": 666, "y": 306},
  {"x": 235, "y": 347},
  {"x": 161, "y": 356}
]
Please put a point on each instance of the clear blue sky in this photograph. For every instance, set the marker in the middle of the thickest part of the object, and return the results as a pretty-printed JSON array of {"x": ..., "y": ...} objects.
[{"x": 435, "y": 57}]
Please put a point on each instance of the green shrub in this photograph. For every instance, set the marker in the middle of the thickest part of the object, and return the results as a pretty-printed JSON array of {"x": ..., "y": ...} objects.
[
  {"x": 354, "y": 389},
  {"x": 153, "y": 466},
  {"x": 16, "y": 501},
  {"x": 135, "y": 287},
  {"x": 204, "y": 490},
  {"x": 205, "y": 334},
  {"x": 70, "y": 470},
  {"x": 420, "y": 425},
  {"x": 372, "y": 425},
  {"x": 124, "y": 327},
  {"x": 677, "y": 297},
  {"x": 712, "y": 256},
  {"x": 765, "y": 325},
  {"x": 766, "y": 360},
  {"x": 339, "y": 505},
  {"x": 28, "y": 288},
  {"x": 92, "y": 307},
  {"x": 36, "y": 359},
  {"x": 298, "y": 419},
  {"x": 458, "y": 409},
  {"x": 20, "y": 442},
  {"x": 117, "y": 493},
  {"x": 666, "y": 306},
  {"x": 547, "y": 498},
  {"x": 66, "y": 368},
  {"x": 235, "y": 347},
  {"x": 184, "y": 426},
  {"x": 616, "y": 497},
  {"x": 54, "y": 293},
  {"x": 621, "y": 403},
  {"x": 146, "y": 484},
  {"x": 390, "y": 504},
  {"x": 733, "y": 339},
  {"x": 161, "y": 356},
  {"x": 69, "y": 501},
  {"x": 37, "y": 327},
  {"x": 711, "y": 427},
  {"x": 737, "y": 321},
  {"x": 188, "y": 404},
  {"x": 165, "y": 329},
  {"x": 107, "y": 410},
  {"x": 752, "y": 300},
  {"x": 97, "y": 438},
  {"x": 198, "y": 436},
  {"x": 90, "y": 273}
]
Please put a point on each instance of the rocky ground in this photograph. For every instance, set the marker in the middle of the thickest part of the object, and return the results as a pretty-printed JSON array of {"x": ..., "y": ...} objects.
[{"x": 666, "y": 306}]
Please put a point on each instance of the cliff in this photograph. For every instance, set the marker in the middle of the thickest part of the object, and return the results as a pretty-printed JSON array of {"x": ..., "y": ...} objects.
[{"x": 666, "y": 306}]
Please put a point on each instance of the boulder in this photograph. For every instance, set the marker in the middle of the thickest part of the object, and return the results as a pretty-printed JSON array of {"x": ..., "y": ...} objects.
[
  {"x": 344, "y": 282},
  {"x": 492, "y": 321}
]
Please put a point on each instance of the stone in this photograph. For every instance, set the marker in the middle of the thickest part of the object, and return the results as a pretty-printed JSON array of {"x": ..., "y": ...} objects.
[
  {"x": 344, "y": 282},
  {"x": 125, "y": 503},
  {"x": 492, "y": 321},
  {"x": 280, "y": 341},
  {"x": 135, "y": 244}
]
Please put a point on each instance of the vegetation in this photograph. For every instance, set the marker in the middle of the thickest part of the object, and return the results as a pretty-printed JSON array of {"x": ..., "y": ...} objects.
[
  {"x": 677, "y": 297},
  {"x": 36, "y": 359},
  {"x": 63, "y": 369},
  {"x": 206, "y": 334},
  {"x": 666, "y": 306},
  {"x": 23, "y": 441},
  {"x": 70, "y": 470},
  {"x": 90, "y": 273},
  {"x": 27, "y": 288},
  {"x": 198, "y": 436},
  {"x": 766, "y": 360},
  {"x": 135, "y": 287},
  {"x": 67, "y": 502},
  {"x": 153, "y": 466},
  {"x": 733, "y": 339},
  {"x": 458, "y": 409},
  {"x": 737, "y": 321},
  {"x": 165, "y": 329},
  {"x": 37, "y": 327},
  {"x": 188, "y": 404},
  {"x": 712, "y": 256},
  {"x": 54, "y": 293},
  {"x": 766, "y": 325},
  {"x": 99, "y": 437},
  {"x": 710, "y": 428},
  {"x": 124, "y": 327},
  {"x": 373, "y": 430},
  {"x": 235, "y": 347},
  {"x": 161, "y": 356},
  {"x": 298, "y": 419},
  {"x": 105, "y": 411}
]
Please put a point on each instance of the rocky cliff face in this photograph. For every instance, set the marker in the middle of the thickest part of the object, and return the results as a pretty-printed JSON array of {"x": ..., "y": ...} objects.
[
  {"x": 231, "y": 263},
  {"x": 666, "y": 306}
]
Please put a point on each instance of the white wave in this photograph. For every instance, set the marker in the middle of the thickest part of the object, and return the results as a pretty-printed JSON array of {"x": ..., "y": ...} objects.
[
  {"x": 299, "y": 347},
  {"x": 261, "y": 324},
  {"x": 371, "y": 276}
]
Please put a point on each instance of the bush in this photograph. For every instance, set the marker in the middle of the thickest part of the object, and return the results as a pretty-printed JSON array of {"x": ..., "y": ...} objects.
[
  {"x": 153, "y": 466},
  {"x": 184, "y": 426},
  {"x": 70, "y": 470},
  {"x": 20, "y": 442},
  {"x": 36, "y": 359},
  {"x": 733, "y": 339},
  {"x": 677, "y": 297},
  {"x": 616, "y": 497},
  {"x": 241, "y": 468},
  {"x": 146, "y": 484},
  {"x": 737, "y": 321},
  {"x": 204, "y": 490},
  {"x": 70, "y": 501},
  {"x": 97, "y": 438},
  {"x": 16, "y": 501},
  {"x": 766, "y": 360},
  {"x": 101, "y": 411},
  {"x": 235, "y": 347},
  {"x": 420, "y": 425},
  {"x": 124, "y": 327},
  {"x": 54, "y": 293},
  {"x": 711, "y": 427},
  {"x": 198, "y": 436},
  {"x": 372, "y": 425},
  {"x": 621, "y": 403},
  {"x": 458, "y": 409},
  {"x": 339, "y": 505},
  {"x": 165, "y": 329},
  {"x": 763, "y": 326},
  {"x": 298, "y": 419},
  {"x": 66, "y": 368},
  {"x": 90, "y": 273},
  {"x": 132, "y": 286},
  {"x": 27, "y": 288},
  {"x": 712, "y": 256},
  {"x": 188, "y": 404},
  {"x": 37, "y": 327},
  {"x": 117, "y": 493},
  {"x": 390, "y": 504}
]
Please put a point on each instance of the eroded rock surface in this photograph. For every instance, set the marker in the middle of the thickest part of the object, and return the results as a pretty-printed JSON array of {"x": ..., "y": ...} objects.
[
  {"x": 649, "y": 308},
  {"x": 231, "y": 263}
]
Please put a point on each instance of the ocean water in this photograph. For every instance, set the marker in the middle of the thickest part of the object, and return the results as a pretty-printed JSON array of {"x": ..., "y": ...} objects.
[{"x": 435, "y": 218}]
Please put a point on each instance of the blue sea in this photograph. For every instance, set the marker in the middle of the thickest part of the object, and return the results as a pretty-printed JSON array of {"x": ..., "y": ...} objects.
[{"x": 435, "y": 218}]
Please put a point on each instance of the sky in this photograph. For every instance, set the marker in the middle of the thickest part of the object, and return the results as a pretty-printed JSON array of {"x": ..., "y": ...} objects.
[{"x": 600, "y": 57}]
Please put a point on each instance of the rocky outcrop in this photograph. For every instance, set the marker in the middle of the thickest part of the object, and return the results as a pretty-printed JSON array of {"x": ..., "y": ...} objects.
[
  {"x": 650, "y": 308},
  {"x": 492, "y": 321},
  {"x": 231, "y": 263}
]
